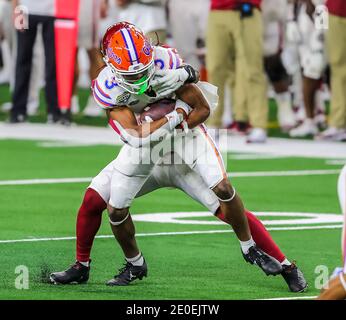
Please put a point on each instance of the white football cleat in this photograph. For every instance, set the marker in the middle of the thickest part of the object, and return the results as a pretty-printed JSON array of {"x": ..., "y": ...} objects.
[
  {"x": 257, "y": 135},
  {"x": 286, "y": 119},
  {"x": 307, "y": 128},
  {"x": 332, "y": 134},
  {"x": 92, "y": 110}
]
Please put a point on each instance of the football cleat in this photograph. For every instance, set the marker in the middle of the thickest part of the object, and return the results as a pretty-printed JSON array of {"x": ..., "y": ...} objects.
[
  {"x": 294, "y": 278},
  {"x": 129, "y": 273},
  {"x": 267, "y": 263},
  {"x": 257, "y": 135},
  {"x": 76, "y": 274}
]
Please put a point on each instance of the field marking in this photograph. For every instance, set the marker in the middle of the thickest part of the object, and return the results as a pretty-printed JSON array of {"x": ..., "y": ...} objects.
[
  {"x": 43, "y": 181},
  {"x": 292, "y": 298},
  {"x": 230, "y": 174},
  {"x": 294, "y": 218},
  {"x": 284, "y": 173},
  {"x": 153, "y": 234}
]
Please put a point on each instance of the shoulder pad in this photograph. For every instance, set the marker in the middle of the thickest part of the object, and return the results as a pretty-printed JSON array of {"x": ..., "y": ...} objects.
[
  {"x": 106, "y": 91},
  {"x": 166, "y": 58}
]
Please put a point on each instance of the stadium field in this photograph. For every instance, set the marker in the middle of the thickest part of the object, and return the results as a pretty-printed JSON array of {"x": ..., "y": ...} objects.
[{"x": 190, "y": 254}]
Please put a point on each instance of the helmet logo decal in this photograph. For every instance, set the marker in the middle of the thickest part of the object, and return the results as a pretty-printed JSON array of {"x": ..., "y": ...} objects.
[
  {"x": 147, "y": 48},
  {"x": 113, "y": 56}
]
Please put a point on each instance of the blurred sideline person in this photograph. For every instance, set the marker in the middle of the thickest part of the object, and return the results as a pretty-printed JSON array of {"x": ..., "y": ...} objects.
[
  {"x": 235, "y": 40},
  {"x": 311, "y": 48},
  {"x": 90, "y": 13},
  {"x": 36, "y": 78},
  {"x": 40, "y": 13},
  {"x": 148, "y": 15},
  {"x": 336, "y": 46},
  {"x": 336, "y": 287},
  {"x": 274, "y": 18},
  {"x": 188, "y": 24}
]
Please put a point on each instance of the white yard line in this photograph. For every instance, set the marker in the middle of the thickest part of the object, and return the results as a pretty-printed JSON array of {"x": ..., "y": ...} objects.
[
  {"x": 230, "y": 174},
  {"x": 292, "y": 298},
  {"x": 43, "y": 181},
  {"x": 284, "y": 173},
  {"x": 155, "y": 234}
]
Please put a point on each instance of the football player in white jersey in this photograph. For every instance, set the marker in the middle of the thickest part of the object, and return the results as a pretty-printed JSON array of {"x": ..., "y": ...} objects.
[
  {"x": 310, "y": 41},
  {"x": 336, "y": 287},
  {"x": 124, "y": 88}
]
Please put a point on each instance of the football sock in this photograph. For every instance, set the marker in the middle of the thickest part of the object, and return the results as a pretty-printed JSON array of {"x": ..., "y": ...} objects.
[
  {"x": 88, "y": 223},
  {"x": 85, "y": 264},
  {"x": 246, "y": 245},
  {"x": 138, "y": 260},
  {"x": 286, "y": 263},
  {"x": 260, "y": 235}
]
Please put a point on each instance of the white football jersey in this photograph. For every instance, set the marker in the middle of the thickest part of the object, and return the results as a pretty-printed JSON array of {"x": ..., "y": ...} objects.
[{"x": 108, "y": 94}]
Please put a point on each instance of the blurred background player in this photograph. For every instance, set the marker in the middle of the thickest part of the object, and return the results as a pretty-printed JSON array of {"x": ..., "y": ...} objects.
[
  {"x": 274, "y": 17},
  {"x": 336, "y": 46},
  {"x": 40, "y": 14},
  {"x": 336, "y": 287},
  {"x": 311, "y": 47},
  {"x": 90, "y": 13},
  {"x": 235, "y": 41},
  {"x": 9, "y": 46},
  {"x": 188, "y": 25},
  {"x": 148, "y": 15}
]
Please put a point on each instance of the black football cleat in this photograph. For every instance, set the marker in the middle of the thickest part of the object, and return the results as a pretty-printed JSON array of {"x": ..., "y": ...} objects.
[
  {"x": 294, "y": 278},
  {"x": 129, "y": 273},
  {"x": 76, "y": 274},
  {"x": 267, "y": 263}
]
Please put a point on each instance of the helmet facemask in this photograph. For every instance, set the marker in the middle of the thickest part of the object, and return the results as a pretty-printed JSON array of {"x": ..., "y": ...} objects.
[{"x": 135, "y": 81}]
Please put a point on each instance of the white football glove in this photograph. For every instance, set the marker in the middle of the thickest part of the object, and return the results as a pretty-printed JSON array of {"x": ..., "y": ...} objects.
[
  {"x": 166, "y": 82},
  {"x": 292, "y": 32}
]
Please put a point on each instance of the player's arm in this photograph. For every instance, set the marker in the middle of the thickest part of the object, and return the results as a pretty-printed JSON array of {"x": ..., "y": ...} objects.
[
  {"x": 193, "y": 97},
  {"x": 123, "y": 120}
]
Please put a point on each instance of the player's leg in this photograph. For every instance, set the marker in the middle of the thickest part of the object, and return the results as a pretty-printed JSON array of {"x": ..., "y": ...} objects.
[
  {"x": 280, "y": 80},
  {"x": 123, "y": 190},
  {"x": 209, "y": 165},
  {"x": 184, "y": 178},
  {"x": 88, "y": 223}
]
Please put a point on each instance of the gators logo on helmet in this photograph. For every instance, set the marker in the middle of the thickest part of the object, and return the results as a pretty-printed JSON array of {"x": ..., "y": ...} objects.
[{"x": 129, "y": 54}]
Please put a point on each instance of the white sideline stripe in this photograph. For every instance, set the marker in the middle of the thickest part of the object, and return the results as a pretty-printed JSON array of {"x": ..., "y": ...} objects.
[
  {"x": 230, "y": 174},
  {"x": 292, "y": 298},
  {"x": 174, "y": 233}
]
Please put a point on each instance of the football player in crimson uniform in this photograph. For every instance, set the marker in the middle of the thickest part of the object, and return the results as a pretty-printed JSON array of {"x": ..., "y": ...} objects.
[
  {"x": 124, "y": 88},
  {"x": 336, "y": 287}
]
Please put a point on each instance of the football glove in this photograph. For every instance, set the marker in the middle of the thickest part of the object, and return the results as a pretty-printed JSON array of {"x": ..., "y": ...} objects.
[{"x": 167, "y": 82}]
